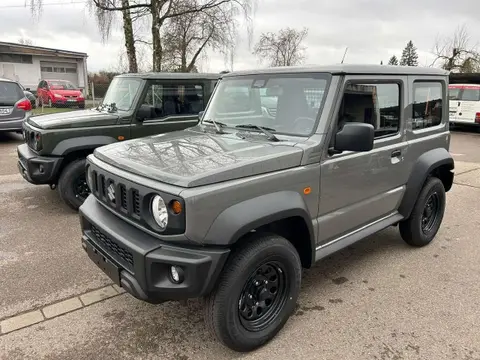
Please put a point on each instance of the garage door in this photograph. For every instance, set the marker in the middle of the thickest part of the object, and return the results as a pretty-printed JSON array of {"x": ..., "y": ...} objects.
[{"x": 59, "y": 71}]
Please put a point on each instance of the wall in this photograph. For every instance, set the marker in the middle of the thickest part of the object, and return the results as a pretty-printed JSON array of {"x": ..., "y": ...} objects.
[{"x": 29, "y": 75}]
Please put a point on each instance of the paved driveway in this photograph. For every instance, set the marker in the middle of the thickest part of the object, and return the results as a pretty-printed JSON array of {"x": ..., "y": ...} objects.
[{"x": 378, "y": 299}]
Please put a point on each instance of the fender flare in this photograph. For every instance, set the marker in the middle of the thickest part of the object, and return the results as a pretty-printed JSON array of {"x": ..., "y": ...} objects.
[
  {"x": 68, "y": 146},
  {"x": 237, "y": 220},
  {"x": 425, "y": 164}
]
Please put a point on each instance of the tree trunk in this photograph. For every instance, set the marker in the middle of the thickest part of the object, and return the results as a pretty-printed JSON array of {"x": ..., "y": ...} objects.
[
  {"x": 156, "y": 40},
  {"x": 129, "y": 40}
]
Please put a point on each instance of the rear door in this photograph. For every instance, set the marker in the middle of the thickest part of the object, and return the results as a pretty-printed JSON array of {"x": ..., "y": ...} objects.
[
  {"x": 464, "y": 103},
  {"x": 10, "y": 95},
  {"x": 173, "y": 106}
]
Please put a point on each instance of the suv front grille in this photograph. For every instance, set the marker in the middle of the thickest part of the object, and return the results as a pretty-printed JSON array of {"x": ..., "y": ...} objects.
[{"x": 113, "y": 248}]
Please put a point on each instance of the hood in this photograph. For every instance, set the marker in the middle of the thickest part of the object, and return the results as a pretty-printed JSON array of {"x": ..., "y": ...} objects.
[
  {"x": 66, "y": 92},
  {"x": 73, "y": 119},
  {"x": 189, "y": 158}
]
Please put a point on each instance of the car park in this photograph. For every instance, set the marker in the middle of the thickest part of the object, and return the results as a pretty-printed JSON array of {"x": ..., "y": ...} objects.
[
  {"x": 464, "y": 105},
  {"x": 135, "y": 105},
  {"x": 59, "y": 93},
  {"x": 233, "y": 208},
  {"x": 15, "y": 108}
]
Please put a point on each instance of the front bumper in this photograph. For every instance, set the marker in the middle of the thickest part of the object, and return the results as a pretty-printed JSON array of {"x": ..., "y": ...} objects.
[
  {"x": 140, "y": 263},
  {"x": 37, "y": 169}
]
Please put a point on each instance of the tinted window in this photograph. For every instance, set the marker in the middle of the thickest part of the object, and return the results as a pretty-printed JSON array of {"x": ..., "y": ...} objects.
[
  {"x": 427, "y": 104},
  {"x": 10, "y": 93},
  {"x": 464, "y": 93},
  {"x": 174, "y": 100},
  {"x": 375, "y": 104}
]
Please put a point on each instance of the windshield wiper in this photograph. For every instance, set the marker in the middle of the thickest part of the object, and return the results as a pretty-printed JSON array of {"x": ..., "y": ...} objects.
[
  {"x": 218, "y": 125},
  {"x": 264, "y": 129}
]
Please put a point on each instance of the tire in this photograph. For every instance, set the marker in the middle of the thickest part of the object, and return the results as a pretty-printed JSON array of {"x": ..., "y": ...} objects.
[
  {"x": 67, "y": 184},
  {"x": 81, "y": 106},
  {"x": 222, "y": 306},
  {"x": 411, "y": 229}
]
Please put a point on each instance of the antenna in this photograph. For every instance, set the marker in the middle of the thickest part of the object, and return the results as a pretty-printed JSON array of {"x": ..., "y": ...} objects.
[{"x": 346, "y": 49}]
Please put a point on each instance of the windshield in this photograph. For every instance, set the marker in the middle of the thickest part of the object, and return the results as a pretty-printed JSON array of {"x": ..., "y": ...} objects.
[
  {"x": 122, "y": 92},
  {"x": 61, "y": 85},
  {"x": 282, "y": 103},
  {"x": 10, "y": 93},
  {"x": 464, "y": 93}
]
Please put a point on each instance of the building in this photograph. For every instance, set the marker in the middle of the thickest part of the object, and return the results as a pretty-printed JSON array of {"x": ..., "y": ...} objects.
[{"x": 30, "y": 64}]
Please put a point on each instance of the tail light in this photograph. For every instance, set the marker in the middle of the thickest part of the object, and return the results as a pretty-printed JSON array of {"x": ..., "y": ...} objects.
[
  {"x": 477, "y": 118},
  {"x": 25, "y": 105}
]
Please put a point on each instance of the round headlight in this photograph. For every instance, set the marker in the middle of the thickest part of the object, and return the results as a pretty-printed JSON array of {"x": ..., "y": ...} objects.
[{"x": 159, "y": 212}]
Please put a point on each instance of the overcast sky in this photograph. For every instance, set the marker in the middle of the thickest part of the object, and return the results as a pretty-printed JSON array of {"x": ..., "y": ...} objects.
[{"x": 373, "y": 30}]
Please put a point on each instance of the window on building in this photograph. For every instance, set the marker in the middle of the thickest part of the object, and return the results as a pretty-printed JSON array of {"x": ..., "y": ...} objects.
[
  {"x": 70, "y": 70},
  {"x": 46, "y": 69},
  {"x": 427, "y": 104},
  {"x": 16, "y": 58},
  {"x": 376, "y": 104}
]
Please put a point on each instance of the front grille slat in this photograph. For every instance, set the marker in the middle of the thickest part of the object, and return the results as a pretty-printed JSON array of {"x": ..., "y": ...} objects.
[{"x": 113, "y": 248}]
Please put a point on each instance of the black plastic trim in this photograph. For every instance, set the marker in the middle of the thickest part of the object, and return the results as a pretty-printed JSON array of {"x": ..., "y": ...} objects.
[
  {"x": 424, "y": 166},
  {"x": 29, "y": 166},
  {"x": 68, "y": 146}
]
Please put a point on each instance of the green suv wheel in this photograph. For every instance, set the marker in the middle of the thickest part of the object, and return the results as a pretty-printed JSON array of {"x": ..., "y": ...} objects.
[
  {"x": 72, "y": 184},
  {"x": 256, "y": 294},
  {"x": 427, "y": 215}
]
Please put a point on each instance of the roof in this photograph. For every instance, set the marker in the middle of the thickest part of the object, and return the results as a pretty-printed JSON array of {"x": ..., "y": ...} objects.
[
  {"x": 13, "y": 48},
  {"x": 7, "y": 80},
  {"x": 345, "y": 69},
  {"x": 172, "y": 75}
]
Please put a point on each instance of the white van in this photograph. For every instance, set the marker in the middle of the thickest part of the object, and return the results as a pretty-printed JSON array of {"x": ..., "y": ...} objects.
[{"x": 464, "y": 104}]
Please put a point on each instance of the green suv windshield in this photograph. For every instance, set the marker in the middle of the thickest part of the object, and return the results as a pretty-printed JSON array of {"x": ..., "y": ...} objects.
[
  {"x": 279, "y": 103},
  {"x": 121, "y": 92}
]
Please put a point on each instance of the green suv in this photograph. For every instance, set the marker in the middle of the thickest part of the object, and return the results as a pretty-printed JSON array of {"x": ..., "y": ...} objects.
[
  {"x": 233, "y": 208},
  {"x": 135, "y": 105}
]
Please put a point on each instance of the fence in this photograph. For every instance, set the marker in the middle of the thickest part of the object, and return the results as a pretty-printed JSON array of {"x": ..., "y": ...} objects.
[{"x": 66, "y": 100}]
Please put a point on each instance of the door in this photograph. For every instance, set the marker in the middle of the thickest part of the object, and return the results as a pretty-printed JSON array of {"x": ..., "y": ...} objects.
[
  {"x": 358, "y": 188},
  {"x": 172, "y": 106}
]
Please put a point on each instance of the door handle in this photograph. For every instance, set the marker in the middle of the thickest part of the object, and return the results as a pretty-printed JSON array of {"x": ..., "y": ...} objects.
[{"x": 396, "y": 153}]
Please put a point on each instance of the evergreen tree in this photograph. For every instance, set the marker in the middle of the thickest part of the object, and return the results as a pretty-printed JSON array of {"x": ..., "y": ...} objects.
[
  {"x": 393, "y": 60},
  {"x": 409, "y": 55}
]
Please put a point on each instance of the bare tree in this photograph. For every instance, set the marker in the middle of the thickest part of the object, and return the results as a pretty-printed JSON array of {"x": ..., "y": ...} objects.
[
  {"x": 25, "y": 41},
  {"x": 456, "y": 53},
  {"x": 283, "y": 48},
  {"x": 162, "y": 11},
  {"x": 186, "y": 37}
]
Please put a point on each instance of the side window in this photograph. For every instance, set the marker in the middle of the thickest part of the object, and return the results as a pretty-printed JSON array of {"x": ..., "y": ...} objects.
[
  {"x": 173, "y": 100},
  {"x": 376, "y": 104},
  {"x": 427, "y": 104}
]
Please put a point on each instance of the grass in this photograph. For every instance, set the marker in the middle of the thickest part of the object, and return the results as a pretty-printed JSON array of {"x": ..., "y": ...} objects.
[{"x": 48, "y": 110}]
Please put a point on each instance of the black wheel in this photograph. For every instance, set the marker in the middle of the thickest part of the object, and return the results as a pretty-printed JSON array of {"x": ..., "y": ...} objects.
[
  {"x": 256, "y": 293},
  {"x": 72, "y": 184},
  {"x": 82, "y": 106},
  {"x": 427, "y": 215}
]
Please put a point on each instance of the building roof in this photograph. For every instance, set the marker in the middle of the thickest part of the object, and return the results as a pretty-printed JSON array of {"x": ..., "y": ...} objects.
[
  {"x": 172, "y": 75},
  {"x": 345, "y": 69},
  {"x": 12, "y": 48}
]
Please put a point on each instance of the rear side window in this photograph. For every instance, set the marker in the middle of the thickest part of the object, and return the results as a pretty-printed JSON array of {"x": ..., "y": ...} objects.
[
  {"x": 464, "y": 93},
  {"x": 427, "y": 104},
  {"x": 10, "y": 93}
]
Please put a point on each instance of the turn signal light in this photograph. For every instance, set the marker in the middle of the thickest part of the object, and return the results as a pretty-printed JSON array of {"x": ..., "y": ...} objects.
[{"x": 176, "y": 207}]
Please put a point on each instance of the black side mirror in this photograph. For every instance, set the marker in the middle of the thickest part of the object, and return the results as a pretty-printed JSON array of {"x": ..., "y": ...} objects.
[
  {"x": 144, "y": 112},
  {"x": 28, "y": 89},
  {"x": 355, "y": 136},
  {"x": 200, "y": 115}
]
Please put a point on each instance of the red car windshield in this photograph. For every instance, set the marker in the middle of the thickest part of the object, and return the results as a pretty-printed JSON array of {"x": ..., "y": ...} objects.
[{"x": 61, "y": 85}]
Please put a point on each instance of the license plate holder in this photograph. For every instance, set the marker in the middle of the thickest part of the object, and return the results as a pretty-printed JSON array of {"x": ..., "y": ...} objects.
[{"x": 109, "y": 268}]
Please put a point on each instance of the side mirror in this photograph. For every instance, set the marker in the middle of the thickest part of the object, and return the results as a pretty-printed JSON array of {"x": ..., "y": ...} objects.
[
  {"x": 355, "y": 136},
  {"x": 200, "y": 115},
  {"x": 144, "y": 112},
  {"x": 28, "y": 89}
]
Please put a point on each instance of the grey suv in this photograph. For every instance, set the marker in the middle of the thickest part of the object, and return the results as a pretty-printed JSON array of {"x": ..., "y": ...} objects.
[
  {"x": 232, "y": 209},
  {"x": 15, "y": 108}
]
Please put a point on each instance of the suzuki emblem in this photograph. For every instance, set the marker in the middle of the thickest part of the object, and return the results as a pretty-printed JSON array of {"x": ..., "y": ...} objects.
[{"x": 111, "y": 193}]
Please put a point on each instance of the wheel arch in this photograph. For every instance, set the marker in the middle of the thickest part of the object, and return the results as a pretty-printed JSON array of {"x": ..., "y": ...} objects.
[
  {"x": 436, "y": 162},
  {"x": 282, "y": 213}
]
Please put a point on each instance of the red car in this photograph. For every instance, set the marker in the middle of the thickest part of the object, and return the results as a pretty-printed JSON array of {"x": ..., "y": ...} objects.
[{"x": 59, "y": 93}]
